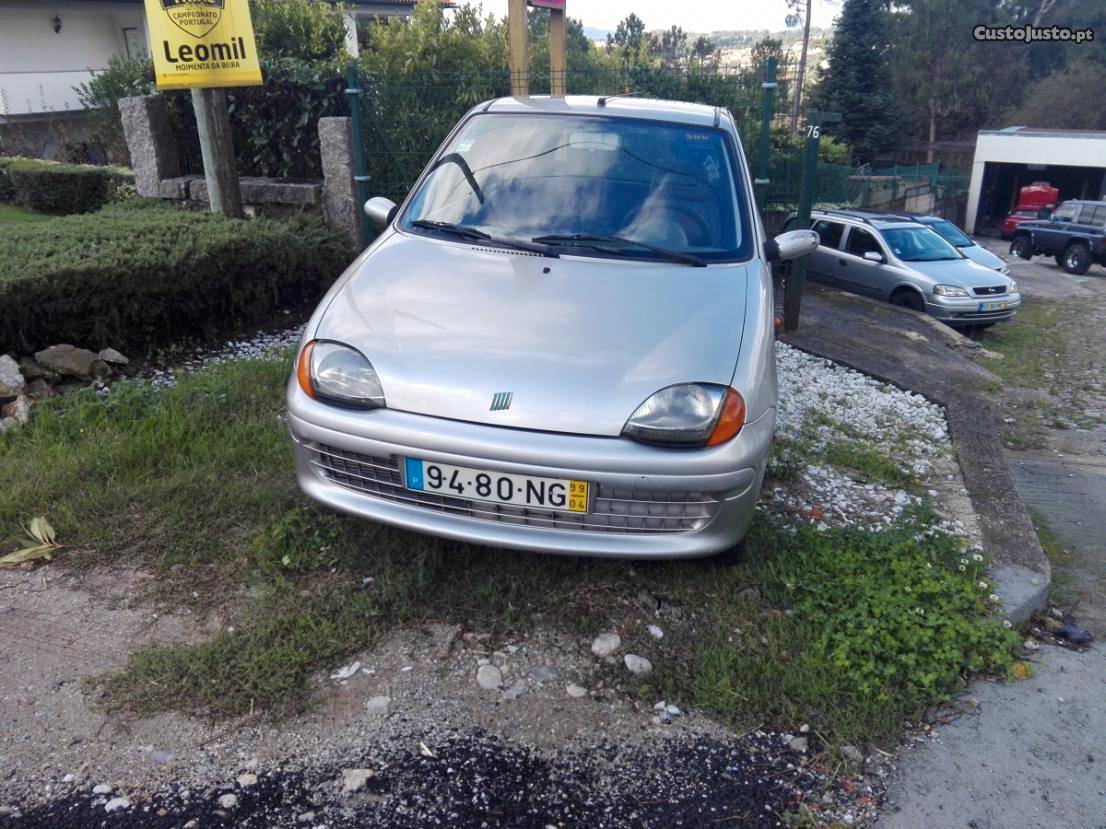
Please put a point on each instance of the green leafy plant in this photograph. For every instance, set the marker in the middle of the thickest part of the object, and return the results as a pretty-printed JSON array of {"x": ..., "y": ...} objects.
[
  {"x": 62, "y": 189},
  {"x": 44, "y": 544},
  {"x": 137, "y": 273}
]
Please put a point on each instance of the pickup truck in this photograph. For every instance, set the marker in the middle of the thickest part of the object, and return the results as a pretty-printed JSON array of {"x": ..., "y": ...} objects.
[{"x": 1075, "y": 234}]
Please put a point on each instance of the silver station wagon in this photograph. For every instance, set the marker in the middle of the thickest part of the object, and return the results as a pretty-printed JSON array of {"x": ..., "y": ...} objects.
[{"x": 563, "y": 340}]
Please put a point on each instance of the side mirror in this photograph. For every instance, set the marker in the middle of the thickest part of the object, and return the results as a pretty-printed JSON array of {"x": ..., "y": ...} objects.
[
  {"x": 380, "y": 211},
  {"x": 791, "y": 245},
  {"x": 873, "y": 256}
]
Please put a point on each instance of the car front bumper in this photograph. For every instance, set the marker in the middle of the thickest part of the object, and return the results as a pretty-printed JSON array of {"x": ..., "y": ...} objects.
[
  {"x": 966, "y": 310},
  {"x": 647, "y": 501}
]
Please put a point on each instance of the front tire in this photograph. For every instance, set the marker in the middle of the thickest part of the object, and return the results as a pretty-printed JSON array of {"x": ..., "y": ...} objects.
[
  {"x": 1022, "y": 247},
  {"x": 1076, "y": 259},
  {"x": 906, "y": 298}
]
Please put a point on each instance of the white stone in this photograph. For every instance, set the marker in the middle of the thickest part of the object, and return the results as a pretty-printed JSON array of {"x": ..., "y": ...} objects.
[
  {"x": 378, "y": 705},
  {"x": 117, "y": 803},
  {"x": 489, "y": 677},
  {"x": 228, "y": 801},
  {"x": 353, "y": 780},
  {"x": 605, "y": 644},
  {"x": 247, "y": 779},
  {"x": 103, "y": 788},
  {"x": 637, "y": 664},
  {"x": 576, "y": 691},
  {"x": 655, "y": 632}
]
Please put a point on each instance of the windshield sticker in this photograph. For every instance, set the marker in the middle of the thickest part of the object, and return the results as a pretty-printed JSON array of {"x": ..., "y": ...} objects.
[
  {"x": 465, "y": 145},
  {"x": 711, "y": 166}
]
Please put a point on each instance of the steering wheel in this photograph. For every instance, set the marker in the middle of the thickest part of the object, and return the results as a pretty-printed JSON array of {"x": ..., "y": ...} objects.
[{"x": 698, "y": 234}]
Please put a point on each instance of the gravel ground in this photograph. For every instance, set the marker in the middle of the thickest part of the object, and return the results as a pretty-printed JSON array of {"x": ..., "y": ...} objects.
[{"x": 554, "y": 746}]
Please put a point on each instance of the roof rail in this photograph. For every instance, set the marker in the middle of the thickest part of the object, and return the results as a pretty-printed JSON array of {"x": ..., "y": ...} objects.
[
  {"x": 847, "y": 213},
  {"x": 602, "y": 100}
]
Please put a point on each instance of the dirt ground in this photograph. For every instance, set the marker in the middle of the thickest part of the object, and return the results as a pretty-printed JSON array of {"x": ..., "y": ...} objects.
[{"x": 1031, "y": 754}]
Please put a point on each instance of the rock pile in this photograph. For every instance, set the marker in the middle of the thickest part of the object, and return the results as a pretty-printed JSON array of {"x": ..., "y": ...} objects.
[{"x": 51, "y": 371}]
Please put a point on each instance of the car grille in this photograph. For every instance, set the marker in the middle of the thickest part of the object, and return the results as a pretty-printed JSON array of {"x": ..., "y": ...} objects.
[
  {"x": 990, "y": 290},
  {"x": 612, "y": 510}
]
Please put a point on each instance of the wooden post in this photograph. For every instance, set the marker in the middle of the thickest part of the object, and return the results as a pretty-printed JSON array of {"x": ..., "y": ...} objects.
[
  {"x": 557, "y": 61},
  {"x": 217, "y": 147},
  {"x": 518, "y": 33}
]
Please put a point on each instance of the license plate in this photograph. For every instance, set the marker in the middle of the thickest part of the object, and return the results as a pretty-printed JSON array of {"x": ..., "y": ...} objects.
[
  {"x": 496, "y": 487},
  {"x": 999, "y": 305}
]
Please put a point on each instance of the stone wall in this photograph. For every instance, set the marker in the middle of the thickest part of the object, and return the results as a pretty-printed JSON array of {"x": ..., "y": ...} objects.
[{"x": 157, "y": 169}]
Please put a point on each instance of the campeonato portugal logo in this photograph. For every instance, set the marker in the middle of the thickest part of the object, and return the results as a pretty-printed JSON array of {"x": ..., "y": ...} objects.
[{"x": 196, "y": 17}]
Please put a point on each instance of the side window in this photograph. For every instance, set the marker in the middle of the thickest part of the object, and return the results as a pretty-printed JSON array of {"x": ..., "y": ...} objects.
[
  {"x": 792, "y": 223},
  {"x": 829, "y": 232},
  {"x": 1095, "y": 216},
  {"x": 861, "y": 241},
  {"x": 1065, "y": 212}
]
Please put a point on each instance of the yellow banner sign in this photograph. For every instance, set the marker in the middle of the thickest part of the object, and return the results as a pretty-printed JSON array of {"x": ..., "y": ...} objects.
[{"x": 202, "y": 43}]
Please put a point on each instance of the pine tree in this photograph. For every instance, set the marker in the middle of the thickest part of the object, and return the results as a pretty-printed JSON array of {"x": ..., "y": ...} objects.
[{"x": 857, "y": 81}]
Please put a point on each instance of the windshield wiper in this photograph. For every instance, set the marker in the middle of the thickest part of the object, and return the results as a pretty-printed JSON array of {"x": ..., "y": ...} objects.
[
  {"x": 476, "y": 235},
  {"x": 604, "y": 243},
  {"x": 452, "y": 228}
]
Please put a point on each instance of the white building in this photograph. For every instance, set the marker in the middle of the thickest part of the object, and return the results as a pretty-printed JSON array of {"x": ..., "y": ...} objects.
[
  {"x": 48, "y": 48},
  {"x": 1006, "y": 160}
]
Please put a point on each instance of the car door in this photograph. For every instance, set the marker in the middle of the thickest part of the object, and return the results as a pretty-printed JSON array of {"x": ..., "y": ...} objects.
[
  {"x": 1052, "y": 236},
  {"x": 854, "y": 271},
  {"x": 822, "y": 264}
]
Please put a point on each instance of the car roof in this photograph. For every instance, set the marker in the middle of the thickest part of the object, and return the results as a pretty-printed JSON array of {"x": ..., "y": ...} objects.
[
  {"x": 611, "y": 106},
  {"x": 874, "y": 218}
]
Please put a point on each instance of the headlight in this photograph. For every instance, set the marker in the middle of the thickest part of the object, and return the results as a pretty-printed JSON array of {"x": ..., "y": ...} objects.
[
  {"x": 690, "y": 414},
  {"x": 333, "y": 371},
  {"x": 949, "y": 290},
  {"x": 1012, "y": 288}
]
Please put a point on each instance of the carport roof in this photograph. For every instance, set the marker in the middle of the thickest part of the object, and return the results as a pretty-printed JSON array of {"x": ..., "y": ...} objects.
[{"x": 1046, "y": 132}]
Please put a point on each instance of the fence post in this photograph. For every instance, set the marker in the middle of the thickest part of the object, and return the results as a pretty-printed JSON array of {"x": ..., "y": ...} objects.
[
  {"x": 769, "y": 86},
  {"x": 354, "y": 90},
  {"x": 796, "y": 278}
]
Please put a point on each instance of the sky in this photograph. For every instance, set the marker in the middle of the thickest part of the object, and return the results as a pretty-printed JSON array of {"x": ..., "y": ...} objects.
[{"x": 692, "y": 15}]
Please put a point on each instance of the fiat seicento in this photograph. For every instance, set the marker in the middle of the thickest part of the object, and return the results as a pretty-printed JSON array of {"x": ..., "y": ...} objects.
[{"x": 562, "y": 341}]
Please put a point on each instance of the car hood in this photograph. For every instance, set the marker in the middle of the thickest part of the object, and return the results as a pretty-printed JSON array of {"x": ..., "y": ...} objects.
[
  {"x": 981, "y": 256},
  {"x": 962, "y": 272},
  {"x": 578, "y": 342}
]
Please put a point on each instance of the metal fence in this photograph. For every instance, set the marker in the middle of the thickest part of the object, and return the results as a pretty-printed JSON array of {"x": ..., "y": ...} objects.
[{"x": 407, "y": 115}]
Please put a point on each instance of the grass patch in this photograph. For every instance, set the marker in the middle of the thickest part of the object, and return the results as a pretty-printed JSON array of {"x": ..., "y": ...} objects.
[
  {"x": 865, "y": 459},
  {"x": 196, "y": 484},
  {"x": 11, "y": 214}
]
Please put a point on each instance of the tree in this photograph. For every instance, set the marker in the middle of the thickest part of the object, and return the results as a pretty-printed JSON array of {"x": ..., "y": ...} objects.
[
  {"x": 628, "y": 40},
  {"x": 856, "y": 81},
  {"x": 1065, "y": 100},
  {"x": 949, "y": 83},
  {"x": 703, "y": 51},
  {"x": 670, "y": 46},
  {"x": 799, "y": 12},
  {"x": 298, "y": 29}
]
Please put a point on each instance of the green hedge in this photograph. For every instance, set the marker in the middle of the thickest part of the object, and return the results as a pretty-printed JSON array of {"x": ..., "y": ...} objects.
[
  {"x": 62, "y": 189},
  {"x": 138, "y": 273}
]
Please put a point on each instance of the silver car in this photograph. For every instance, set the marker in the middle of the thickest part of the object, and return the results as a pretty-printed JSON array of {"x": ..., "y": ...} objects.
[
  {"x": 898, "y": 260},
  {"x": 563, "y": 340}
]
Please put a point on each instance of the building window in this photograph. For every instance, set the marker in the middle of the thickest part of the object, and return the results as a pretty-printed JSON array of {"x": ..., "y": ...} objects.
[{"x": 134, "y": 41}]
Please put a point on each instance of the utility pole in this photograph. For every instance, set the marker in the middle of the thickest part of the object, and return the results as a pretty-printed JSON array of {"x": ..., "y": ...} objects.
[
  {"x": 518, "y": 50},
  {"x": 798, "y": 94},
  {"x": 217, "y": 148}
]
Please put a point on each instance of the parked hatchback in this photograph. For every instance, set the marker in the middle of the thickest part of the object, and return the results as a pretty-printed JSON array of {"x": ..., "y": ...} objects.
[
  {"x": 895, "y": 259},
  {"x": 562, "y": 341}
]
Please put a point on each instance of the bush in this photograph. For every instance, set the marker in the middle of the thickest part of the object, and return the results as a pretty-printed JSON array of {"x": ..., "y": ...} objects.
[
  {"x": 7, "y": 191},
  {"x": 138, "y": 273},
  {"x": 50, "y": 187}
]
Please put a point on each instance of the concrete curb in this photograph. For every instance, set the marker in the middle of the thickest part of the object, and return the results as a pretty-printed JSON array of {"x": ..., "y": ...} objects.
[{"x": 916, "y": 353}]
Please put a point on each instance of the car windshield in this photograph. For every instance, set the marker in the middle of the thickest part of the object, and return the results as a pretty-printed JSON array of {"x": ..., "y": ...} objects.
[
  {"x": 919, "y": 244},
  {"x": 525, "y": 176},
  {"x": 952, "y": 234}
]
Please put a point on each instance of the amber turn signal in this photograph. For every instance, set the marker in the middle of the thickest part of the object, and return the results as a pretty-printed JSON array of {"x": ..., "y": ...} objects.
[
  {"x": 303, "y": 369},
  {"x": 731, "y": 419}
]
